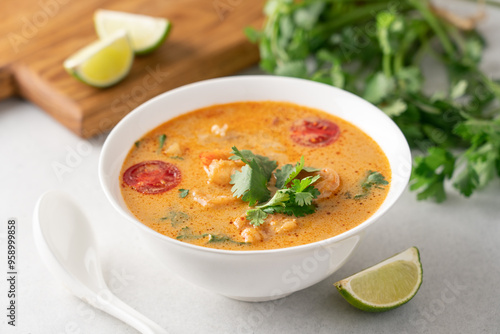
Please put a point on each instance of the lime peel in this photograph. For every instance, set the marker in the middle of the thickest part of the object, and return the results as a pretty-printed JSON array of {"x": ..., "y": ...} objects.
[{"x": 386, "y": 285}]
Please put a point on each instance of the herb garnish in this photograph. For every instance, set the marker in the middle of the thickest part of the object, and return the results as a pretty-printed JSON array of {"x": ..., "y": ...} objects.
[
  {"x": 187, "y": 234},
  {"x": 137, "y": 143},
  {"x": 176, "y": 218},
  {"x": 375, "y": 50},
  {"x": 372, "y": 180},
  {"x": 183, "y": 193},
  {"x": 251, "y": 182},
  {"x": 251, "y": 185},
  {"x": 162, "y": 140}
]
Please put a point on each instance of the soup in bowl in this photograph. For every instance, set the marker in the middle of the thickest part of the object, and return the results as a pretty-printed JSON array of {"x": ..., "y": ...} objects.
[{"x": 254, "y": 187}]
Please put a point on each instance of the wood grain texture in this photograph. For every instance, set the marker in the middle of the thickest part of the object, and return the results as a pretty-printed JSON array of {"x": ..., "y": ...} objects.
[{"x": 206, "y": 41}]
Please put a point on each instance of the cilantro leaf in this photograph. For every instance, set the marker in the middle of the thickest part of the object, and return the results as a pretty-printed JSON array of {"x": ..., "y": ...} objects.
[
  {"x": 372, "y": 180},
  {"x": 288, "y": 172},
  {"x": 282, "y": 175},
  {"x": 176, "y": 218},
  {"x": 251, "y": 182},
  {"x": 303, "y": 198},
  {"x": 162, "y": 140},
  {"x": 296, "y": 201},
  {"x": 187, "y": 234},
  {"x": 430, "y": 172},
  {"x": 301, "y": 185},
  {"x": 264, "y": 164},
  {"x": 256, "y": 216},
  {"x": 183, "y": 193}
]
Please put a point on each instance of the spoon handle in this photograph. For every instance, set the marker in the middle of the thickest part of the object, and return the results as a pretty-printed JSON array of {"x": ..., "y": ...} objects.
[{"x": 125, "y": 313}]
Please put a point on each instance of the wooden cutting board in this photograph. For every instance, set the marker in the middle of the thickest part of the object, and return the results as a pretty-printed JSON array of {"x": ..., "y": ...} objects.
[{"x": 36, "y": 36}]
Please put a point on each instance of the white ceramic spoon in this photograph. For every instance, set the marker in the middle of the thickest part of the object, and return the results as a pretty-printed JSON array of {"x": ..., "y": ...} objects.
[{"x": 66, "y": 244}]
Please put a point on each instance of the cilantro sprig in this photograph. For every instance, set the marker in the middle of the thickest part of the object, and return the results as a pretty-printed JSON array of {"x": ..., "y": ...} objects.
[
  {"x": 251, "y": 182},
  {"x": 293, "y": 197},
  {"x": 294, "y": 201},
  {"x": 456, "y": 127}
]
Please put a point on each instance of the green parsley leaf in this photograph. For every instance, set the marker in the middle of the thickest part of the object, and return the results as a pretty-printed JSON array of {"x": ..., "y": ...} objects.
[{"x": 183, "y": 193}]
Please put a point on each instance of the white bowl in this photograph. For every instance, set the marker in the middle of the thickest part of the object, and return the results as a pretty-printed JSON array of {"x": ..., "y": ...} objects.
[{"x": 263, "y": 274}]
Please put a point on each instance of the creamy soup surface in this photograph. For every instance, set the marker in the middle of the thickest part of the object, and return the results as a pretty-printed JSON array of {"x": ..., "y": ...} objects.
[{"x": 176, "y": 178}]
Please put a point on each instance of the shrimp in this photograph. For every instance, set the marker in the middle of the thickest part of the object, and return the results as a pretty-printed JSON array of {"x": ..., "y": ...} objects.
[
  {"x": 328, "y": 183},
  {"x": 218, "y": 167},
  {"x": 211, "y": 198},
  {"x": 273, "y": 225}
]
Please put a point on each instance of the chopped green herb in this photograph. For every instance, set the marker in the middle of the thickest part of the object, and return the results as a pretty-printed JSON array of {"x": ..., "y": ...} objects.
[
  {"x": 183, "y": 193},
  {"x": 176, "y": 157},
  {"x": 372, "y": 180},
  {"x": 162, "y": 140},
  {"x": 176, "y": 218},
  {"x": 137, "y": 143},
  {"x": 186, "y": 234}
]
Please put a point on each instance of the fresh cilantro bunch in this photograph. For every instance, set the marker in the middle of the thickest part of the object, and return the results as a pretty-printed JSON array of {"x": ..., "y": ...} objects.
[
  {"x": 375, "y": 50},
  {"x": 293, "y": 197}
]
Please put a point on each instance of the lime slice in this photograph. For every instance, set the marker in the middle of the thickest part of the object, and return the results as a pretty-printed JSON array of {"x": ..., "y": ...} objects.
[
  {"x": 386, "y": 285},
  {"x": 104, "y": 62},
  {"x": 146, "y": 33}
]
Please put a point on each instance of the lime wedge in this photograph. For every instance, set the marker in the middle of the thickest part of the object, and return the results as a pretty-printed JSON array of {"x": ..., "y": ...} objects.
[
  {"x": 386, "y": 285},
  {"x": 146, "y": 33},
  {"x": 104, "y": 62}
]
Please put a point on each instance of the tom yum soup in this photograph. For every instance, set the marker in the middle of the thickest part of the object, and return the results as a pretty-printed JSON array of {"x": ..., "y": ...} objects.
[{"x": 254, "y": 175}]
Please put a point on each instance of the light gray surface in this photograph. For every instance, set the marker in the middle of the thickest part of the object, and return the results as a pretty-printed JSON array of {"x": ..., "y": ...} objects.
[{"x": 458, "y": 240}]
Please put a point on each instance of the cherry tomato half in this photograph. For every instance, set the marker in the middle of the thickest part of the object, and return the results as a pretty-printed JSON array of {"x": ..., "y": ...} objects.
[
  {"x": 152, "y": 177},
  {"x": 314, "y": 132}
]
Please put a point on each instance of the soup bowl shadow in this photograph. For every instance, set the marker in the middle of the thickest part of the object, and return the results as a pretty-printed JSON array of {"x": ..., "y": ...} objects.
[{"x": 279, "y": 272}]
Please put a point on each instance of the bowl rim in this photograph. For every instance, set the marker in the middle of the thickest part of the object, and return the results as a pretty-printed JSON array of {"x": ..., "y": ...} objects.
[{"x": 299, "y": 248}]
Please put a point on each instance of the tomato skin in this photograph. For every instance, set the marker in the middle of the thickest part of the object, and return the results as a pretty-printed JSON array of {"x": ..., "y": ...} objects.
[
  {"x": 152, "y": 177},
  {"x": 314, "y": 132}
]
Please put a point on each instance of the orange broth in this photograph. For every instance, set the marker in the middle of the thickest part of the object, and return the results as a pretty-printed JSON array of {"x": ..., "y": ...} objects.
[{"x": 210, "y": 216}]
